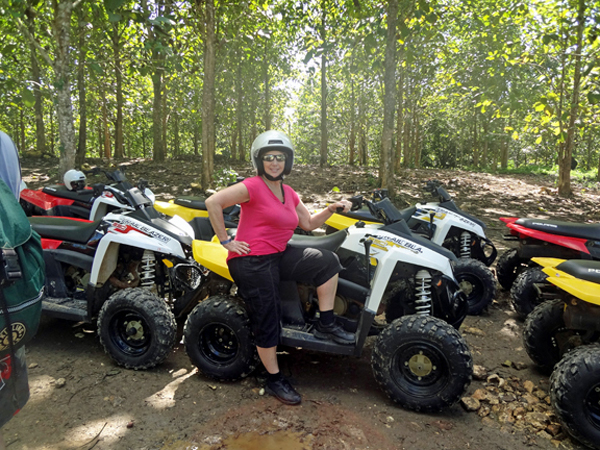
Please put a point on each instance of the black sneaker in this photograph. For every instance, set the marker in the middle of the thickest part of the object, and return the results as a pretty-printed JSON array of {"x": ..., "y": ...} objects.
[
  {"x": 335, "y": 332},
  {"x": 283, "y": 390}
]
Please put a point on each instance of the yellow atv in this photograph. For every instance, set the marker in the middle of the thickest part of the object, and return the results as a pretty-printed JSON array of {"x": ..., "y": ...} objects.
[{"x": 563, "y": 334}]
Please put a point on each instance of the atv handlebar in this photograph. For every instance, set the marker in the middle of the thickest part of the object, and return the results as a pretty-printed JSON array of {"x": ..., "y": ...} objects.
[
  {"x": 435, "y": 188},
  {"x": 116, "y": 175}
]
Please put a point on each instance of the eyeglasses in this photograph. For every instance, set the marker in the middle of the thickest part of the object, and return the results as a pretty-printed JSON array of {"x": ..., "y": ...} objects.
[{"x": 271, "y": 158}]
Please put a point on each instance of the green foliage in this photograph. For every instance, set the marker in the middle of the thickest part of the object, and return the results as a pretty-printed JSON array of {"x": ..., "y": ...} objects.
[
  {"x": 478, "y": 78},
  {"x": 225, "y": 176}
]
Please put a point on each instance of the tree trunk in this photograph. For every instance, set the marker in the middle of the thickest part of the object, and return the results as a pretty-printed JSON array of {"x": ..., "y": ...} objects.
[
  {"x": 324, "y": 137},
  {"x": 386, "y": 161},
  {"x": 81, "y": 89},
  {"x": 158, "y": 61},
  {"x": 399, "y": 121},
  {"x": 40, "y": 131},
  {"x": 352, "y": 141},
  {"x": 116, "y": 41},
  {"x": 564, "y": 169},
  {"x": 475, "y": 141},
  {"x": 417, "y": 142},
  {"x": 266, "y": 81},
  {"x": 64, "y": 107},
  {"x": 105, "y": 131},
  {"x": 239, "y": 111},
  {"x": 208, "y": 96}
]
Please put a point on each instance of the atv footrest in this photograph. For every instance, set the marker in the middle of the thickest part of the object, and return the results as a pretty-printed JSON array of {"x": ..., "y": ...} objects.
[
  {"x": 302, "y": 339},
  {"x": 66, "y": 308}
]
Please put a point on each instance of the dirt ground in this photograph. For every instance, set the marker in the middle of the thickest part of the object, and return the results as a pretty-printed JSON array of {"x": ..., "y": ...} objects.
[{"x": 81, "y": 400}]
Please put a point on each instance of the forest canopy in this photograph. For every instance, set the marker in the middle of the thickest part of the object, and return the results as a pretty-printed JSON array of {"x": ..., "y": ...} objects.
[{"x": 476, "y": 83}]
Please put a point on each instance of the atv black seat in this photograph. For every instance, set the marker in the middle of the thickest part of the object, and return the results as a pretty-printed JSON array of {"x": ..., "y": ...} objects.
[
  {"x": 191, "y": 202},
  {"x": 328, "y": 242},
  {"x": 58, "y": 190},
  {"x": 197, "y": 203},
  {"x": 582, "y": 268},
  {"x": 590, "y": 231},
  {"x": 63, "y": 229},
  {"x": 407, "y": 213}
]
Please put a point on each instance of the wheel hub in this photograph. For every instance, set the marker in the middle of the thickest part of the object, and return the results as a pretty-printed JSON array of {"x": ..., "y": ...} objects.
[
  {"x": 420, "y": 365},
  {"x": 134, "y": 330}
]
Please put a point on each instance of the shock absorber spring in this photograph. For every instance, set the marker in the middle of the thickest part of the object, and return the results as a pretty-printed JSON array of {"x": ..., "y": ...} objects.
[
  {"x": 423, "y": 293},
  {"x": 147, "y": 269},
  {"x": 465, "y": 244}
]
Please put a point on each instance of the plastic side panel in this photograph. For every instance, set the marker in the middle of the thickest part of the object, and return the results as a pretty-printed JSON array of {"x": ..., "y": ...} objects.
[
  {"x": 508, "y": 220},
  {"x": 585, "y": 290},
  {"x": 50, "y": 244},
  {"x": 339, "y": 222},
  {"x": 213, "y": 256},
  {"x": 547, "y": 262},
  {"x": 43, "y": 200},
  {"x": 564, "y": 241},
  {"x": 171, "y": 209}
]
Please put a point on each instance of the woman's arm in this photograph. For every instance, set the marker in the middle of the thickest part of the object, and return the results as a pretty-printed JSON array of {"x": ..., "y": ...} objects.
[
  {"x": 309, "y": 222},
  {"x": 238, "y": 193}
]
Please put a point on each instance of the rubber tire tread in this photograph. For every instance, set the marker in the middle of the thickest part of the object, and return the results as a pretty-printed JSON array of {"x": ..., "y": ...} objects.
[
  {"x": 539, "y": 330},
  {"x": 523, "y": 296},
  {"x": 508, "y": 268},
  {"x": 572, "y": 377},
  {"x": 230, "y": 311},
  {"x": 473, "y": 267},
  {"x": 157, "y": 314},
  {"x": 437, "y": 333}
]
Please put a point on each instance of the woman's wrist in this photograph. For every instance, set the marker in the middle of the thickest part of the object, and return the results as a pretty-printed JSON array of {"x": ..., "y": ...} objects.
[
  {"x": 226, "y": 241},
  {"x": 329, "y": 208}
]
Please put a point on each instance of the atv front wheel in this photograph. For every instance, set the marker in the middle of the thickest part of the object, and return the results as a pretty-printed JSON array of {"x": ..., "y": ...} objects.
[
  {"x": 477, "y": 282},
  {"x": 136, "y": 328},
  {"x": 218, "y": 339},
  {"x": 524, "y": 296},
  {"x": 508, "y": 268},
  {"x": 546, "y": 337},
  {"x": 575, "y": 394},
  {"x": 422, "y": 363}
]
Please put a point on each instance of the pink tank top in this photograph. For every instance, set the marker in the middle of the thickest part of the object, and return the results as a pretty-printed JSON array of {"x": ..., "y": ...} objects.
[{"x": 266, "y": 224}]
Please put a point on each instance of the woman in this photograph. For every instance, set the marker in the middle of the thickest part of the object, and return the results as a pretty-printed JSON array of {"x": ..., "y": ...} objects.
[{"x": 259, "y": 256}]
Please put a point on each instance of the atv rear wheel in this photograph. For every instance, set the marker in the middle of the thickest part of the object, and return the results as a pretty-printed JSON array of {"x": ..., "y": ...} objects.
[
  {"x": 218, "y": 339},
  {"x": 575, "y": 394},
  {"x": 477, "y": 283},
  {"x": 546, "y": 337},
  {"x": 524, "y": 296},
  {"x": 422, "y": 363},
  {"x": 136, "y": 328},
  {"x": 508, "y": 268}
]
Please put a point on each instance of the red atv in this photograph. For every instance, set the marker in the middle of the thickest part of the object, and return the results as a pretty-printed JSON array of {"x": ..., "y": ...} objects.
[{"x": 541, "y": 238}]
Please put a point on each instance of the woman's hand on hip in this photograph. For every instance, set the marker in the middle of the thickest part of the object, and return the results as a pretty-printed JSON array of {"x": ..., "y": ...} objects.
[{"x": 239, "y": 247}]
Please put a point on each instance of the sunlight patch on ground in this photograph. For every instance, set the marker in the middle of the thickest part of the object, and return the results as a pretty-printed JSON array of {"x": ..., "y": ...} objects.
[
  {"x": 41, "y": 387},
  {"x": 107, "y": 430},
  {"x": 165, "y": 398}
]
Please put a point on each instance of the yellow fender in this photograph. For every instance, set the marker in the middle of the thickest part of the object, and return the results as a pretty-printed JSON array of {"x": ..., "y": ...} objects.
[
  {"x": 340, "y": 222},
  {"x": 582, "y": 289},
  {"x": 548, "y": 262},
  {"x": 171, "y": 209},
  {"x": 213, "y": 256}
]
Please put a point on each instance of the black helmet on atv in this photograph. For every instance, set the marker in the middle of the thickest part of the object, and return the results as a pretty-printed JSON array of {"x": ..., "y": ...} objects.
[{"x": 268, "y": 141}]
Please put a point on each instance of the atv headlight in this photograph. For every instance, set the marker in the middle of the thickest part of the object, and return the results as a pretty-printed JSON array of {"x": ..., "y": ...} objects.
[{"x": 187, "y": 276}]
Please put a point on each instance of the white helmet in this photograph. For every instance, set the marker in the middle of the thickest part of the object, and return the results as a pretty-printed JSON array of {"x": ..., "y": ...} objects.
[
  {"x": 74, "y": 180},
  {"x": 272, "y": 140}
]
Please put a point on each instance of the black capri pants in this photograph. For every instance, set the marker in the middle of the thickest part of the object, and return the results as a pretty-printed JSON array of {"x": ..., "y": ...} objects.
[{"x": 257, "y": 279}]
